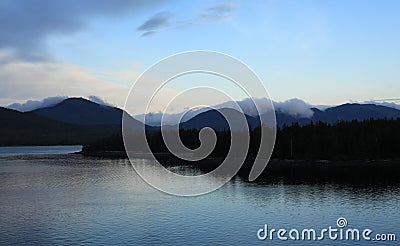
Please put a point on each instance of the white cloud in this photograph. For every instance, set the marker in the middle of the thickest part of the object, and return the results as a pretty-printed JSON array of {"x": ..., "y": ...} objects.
[
  {"x": 21, "y": 81},
  {"x": 252, "y": 107},
  {"x": 48, "y": 102},
  {"x": 383, "y": 103},
  {"x": 99, "y": 100},
  {"x": 294, "y": 107},
  {"x": 35, "y": 104}
]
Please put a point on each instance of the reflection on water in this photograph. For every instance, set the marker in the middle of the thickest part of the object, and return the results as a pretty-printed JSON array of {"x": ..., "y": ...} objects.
[{"x": 68, "y": 199}]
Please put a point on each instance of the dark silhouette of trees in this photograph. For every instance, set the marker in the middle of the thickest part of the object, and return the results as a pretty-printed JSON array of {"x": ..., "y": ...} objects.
[{"x": 344, "y": 140}]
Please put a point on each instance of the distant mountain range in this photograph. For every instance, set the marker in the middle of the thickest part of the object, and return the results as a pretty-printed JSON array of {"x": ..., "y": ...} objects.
[
  {"x": 80, "y": 121},
  {"x": 345, "y": 112}
]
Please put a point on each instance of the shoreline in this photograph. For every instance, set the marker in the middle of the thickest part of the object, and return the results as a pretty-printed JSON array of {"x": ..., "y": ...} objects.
[
  {"x": 316, "y": 162},
  {"x": 370, "y": 171}
]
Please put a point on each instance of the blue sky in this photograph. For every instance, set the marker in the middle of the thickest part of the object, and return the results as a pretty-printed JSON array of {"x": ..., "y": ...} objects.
[{"x": 324, "y": 52}]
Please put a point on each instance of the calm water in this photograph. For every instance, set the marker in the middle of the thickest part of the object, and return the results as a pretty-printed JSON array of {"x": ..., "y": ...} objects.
[
  {"x": 68, "y": 199},
  {"x": 18, "y": 150}
]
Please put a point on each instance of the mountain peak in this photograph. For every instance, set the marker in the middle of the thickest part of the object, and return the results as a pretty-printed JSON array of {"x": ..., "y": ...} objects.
[
  {"x": 83, "y": 112},
  {"x": 82, "y": 100},
  {"x": 216, "y": 120}
]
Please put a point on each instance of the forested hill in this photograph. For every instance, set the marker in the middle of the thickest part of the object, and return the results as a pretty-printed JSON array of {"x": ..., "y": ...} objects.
[
  {"x": 368, "y": 139},
  {"x": 17, "y": 128},
  {"x": 344, "y": 140}
]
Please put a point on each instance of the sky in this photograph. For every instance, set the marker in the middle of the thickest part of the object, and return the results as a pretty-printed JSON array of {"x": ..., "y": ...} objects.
[{"x": 323, "y": 52}]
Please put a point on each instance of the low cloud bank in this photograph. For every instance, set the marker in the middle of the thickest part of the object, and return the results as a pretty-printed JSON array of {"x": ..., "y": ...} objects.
[
  {"x": 98, "y": 100},
  {"x": 387, "y": 104},
  {"x": 295, "y": 107},
  {"x": 253, "y": 107},
  {"x": 48, "y": 102},
  {"x": 35, "y": 104},
  {"x": 155, "y": 118}
]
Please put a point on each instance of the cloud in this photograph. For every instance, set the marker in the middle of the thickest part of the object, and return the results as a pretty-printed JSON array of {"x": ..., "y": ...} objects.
[
  {"x": 323, "y": 107},
  {"x": 223, "y": 7},
  {"x": 21, "y": 81},
  {"x": 295, "y": 107},
  {"x": 258, "y": 106},
  {"x": 155, "y": 118},
  {"x": 219, "y": 11},
  {"x": 98, "y": 100},
  {"x": 25, "y": 25},
  {"x": 48, "y": 102},
  {"x": 149, "y": 33},
  {"x": 157, "y": 21},
  {"x": 252, "y": 107},
  {"x": 162, "y": 20},
  {"x": 383, "y": 103},
  {"x": 35, "y": 104}
]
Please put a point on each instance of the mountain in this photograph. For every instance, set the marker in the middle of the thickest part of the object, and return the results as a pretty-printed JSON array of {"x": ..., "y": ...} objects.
[
  {"x": 72, "y": 121},
  {"x": 355, "y": 111},
  {"x": 79, "y": 121},
  {"x": 345, "y": 112},
  {"x": 84, "y": 112},
  {"x": 216, "y": 120},
  {"x": 17, "y": 128},
  {"x": 154, "y": 119}
]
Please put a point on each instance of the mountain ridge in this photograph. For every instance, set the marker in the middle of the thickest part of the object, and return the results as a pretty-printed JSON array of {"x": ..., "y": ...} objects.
[
  {"x": 78, "y": 121},
  {"x": 82, "y": 112},
  {"x": 345, "y": 112}
]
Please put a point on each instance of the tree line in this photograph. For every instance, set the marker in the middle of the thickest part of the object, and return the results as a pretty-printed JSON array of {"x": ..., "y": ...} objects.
[{"x": 344, "y": 140}]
